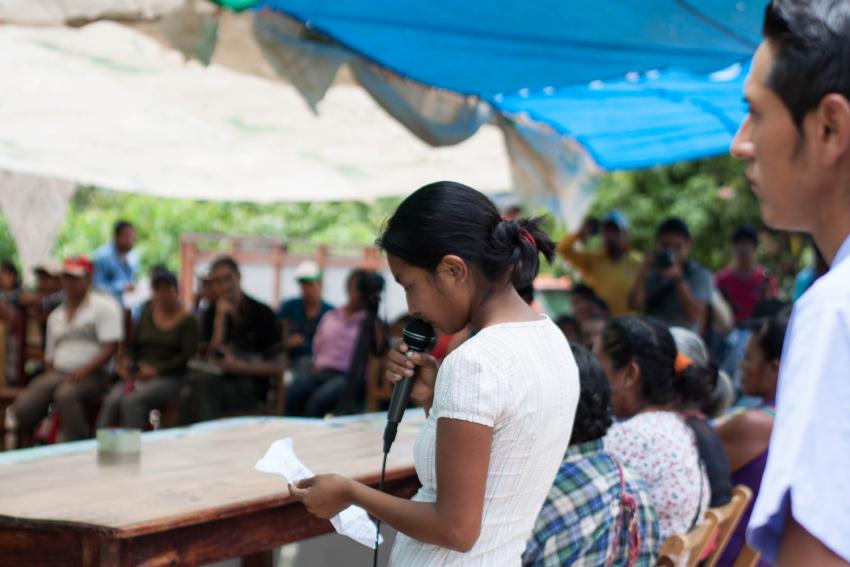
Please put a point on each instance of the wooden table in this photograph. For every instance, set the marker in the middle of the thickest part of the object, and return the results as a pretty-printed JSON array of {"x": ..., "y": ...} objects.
[{"x": 193, "y": 497}]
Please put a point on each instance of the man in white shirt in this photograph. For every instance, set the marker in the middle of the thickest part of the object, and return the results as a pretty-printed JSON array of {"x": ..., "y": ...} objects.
[
  {"x": 796, "y": 140},
  {"x": 82, "y": 336}
]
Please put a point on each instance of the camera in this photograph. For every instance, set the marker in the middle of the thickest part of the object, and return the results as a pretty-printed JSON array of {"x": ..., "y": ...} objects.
[{"x": 664, "y": 259}]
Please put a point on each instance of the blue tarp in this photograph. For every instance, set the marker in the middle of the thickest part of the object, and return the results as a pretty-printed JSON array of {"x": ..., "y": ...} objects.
[
  {"x": 546, "y": 58},
  {"x": 657, "y": 119}
]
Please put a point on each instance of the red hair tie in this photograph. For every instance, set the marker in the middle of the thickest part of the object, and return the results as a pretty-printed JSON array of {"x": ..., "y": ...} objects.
[{"x": 528, "y": 237}]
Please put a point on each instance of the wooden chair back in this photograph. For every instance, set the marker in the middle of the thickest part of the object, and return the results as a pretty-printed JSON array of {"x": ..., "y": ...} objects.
[
  {"x": 748, "y": 557},
  {"x": 685, "y": 550},
  {"x": 727, "y": 518}
]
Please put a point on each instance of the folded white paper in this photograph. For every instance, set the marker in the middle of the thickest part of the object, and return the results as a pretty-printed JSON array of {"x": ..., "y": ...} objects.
[{"x": 352, "y": 522}]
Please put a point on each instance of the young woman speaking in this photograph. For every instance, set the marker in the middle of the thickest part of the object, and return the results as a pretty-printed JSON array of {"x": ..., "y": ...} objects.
[{"x": 500, "y": 407}]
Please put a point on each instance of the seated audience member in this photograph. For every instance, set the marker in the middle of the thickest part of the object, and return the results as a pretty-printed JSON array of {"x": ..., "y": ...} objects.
[
  {"x": 82, "y": 336},
  {"x": 10, "y": 295},
  {"x": 38, "y": 303},
  {"x": 591, "y": 329},
  {"x": 48, "y": 294},
  {"x": 300, "y": 316},
  {"x": 746, "y": 435},
  {"x": 154, "y": 365},
  {"x": 241, "y": 339},
  {"x": 670, "y": 286},
  {"x": 611, "y": 269},
  {"x": 116, "y": 264},
  {"x": 652, "y": 438},
  {"x": 570, "y": 327},
  {"x": 205, "y": 294},
  {"x": 321, "y": 390},
  {"x": 586, "y": 304},
  {"x": 697, "y": 379},
  {"x": 10, "y": 282},
  {"x": 744, "y": 282},
  {"x": 597, "y": 512}
]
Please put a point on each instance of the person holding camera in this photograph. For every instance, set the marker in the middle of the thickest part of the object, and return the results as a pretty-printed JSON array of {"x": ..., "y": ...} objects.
[
  {"x": 609, "y": 270},
  {"x": 670, "y": 286},
  {"x": 343, "y": 340}
]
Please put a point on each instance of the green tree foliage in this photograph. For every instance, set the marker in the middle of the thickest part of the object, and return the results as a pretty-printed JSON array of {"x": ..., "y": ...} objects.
[
  {"x": 711, "y": 195},
  {"x": 161, "y": 222}
]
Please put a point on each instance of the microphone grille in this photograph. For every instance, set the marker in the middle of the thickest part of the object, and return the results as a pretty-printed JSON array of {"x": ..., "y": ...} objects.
[{"x": 419, "y": 336}]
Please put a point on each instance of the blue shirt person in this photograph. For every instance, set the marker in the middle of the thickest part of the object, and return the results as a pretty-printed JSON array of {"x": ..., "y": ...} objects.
[
  {"x": 116, "y": 263},
  {"x": 300, "y": 316}
]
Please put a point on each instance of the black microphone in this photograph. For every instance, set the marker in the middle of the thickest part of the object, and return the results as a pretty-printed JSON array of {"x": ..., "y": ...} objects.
[{"x": 419, "y": 337}]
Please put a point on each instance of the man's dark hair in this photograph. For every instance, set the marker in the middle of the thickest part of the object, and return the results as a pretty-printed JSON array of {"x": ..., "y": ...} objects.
[
  {"x": 583, "y": 290},
  {"x": 225, "y": 262},
  {"x": 593, "y": 415},
  {"x": 119, "y": 227},
  {"x": 673, "y": 225},
  {"x": 746, "y": 234},
  {"x": 811, "y": 41}
]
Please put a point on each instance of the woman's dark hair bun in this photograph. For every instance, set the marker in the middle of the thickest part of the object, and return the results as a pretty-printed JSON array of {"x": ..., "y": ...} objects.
[
  {"x": 520, "y": 243},
  {"x": 449, "y": 218}
]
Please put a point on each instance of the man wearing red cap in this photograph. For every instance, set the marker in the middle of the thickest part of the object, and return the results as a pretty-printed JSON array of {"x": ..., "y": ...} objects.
[{"x": 82, "y": 336}]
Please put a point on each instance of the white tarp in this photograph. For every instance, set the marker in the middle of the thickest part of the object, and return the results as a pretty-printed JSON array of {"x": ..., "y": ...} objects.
[
  {"x": 60, "y": 12},
  {"x": 35, "y": 209},
  {"x": 108, "y": 106}
]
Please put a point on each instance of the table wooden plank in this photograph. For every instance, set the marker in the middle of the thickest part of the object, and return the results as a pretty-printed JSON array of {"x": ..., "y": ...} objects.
[{"x": 200, "y": 476}]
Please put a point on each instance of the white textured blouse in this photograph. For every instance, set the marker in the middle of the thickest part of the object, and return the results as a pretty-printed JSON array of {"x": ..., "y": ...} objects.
[{"x": 521, "y": 380}]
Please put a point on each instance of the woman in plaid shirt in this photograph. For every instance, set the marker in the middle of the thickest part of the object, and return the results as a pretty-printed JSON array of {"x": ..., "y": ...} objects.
[{"x": 597, "y": 513}]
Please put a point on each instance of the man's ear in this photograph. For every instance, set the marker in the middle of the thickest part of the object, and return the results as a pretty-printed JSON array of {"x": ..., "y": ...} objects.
[{"x": 832, "y": 124}]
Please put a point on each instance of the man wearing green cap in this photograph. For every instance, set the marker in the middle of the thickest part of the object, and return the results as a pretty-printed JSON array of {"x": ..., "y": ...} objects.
[{"x": 300, "y": 316}]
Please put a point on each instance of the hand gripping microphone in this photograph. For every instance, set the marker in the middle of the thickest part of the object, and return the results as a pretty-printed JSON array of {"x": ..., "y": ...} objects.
[{"x": 419, "y": 337}]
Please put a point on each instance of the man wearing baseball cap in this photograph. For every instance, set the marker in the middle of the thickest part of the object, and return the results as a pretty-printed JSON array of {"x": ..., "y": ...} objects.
[
  {"x": 83, "y": 334},
  {"x": 300, "y": 316},
  {"x": 609, "y": 270}
]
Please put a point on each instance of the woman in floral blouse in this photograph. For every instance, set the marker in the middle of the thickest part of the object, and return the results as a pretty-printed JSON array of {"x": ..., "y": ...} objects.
[{"x": 639, "y": 358}]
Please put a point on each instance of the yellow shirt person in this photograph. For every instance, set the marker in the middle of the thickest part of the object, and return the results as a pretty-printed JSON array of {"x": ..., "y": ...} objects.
[{"x": 609, "y": 270}]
